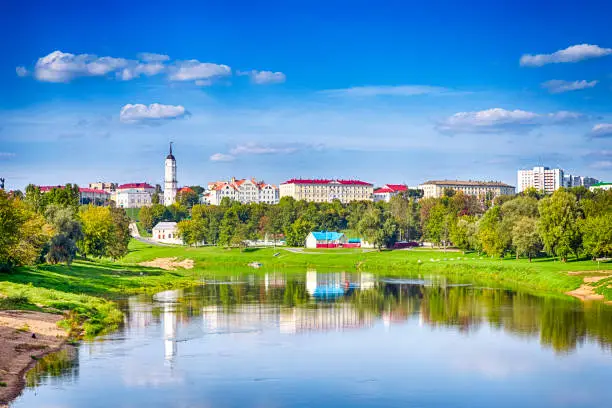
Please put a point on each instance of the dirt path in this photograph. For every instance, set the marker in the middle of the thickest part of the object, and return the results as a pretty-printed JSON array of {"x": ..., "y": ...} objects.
[
  {"x": 586, "y": 291},
  {"x": 169, "y": 264},
  {"x": 19, "y": 350}
]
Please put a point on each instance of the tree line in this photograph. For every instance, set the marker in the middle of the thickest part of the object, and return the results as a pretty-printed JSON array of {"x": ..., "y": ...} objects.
[
  {"x": 54, "y": 228},
  {"x": 569, "y": 222}
]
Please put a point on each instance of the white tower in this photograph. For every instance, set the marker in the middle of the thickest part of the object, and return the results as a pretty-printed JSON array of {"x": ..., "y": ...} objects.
[{"x": 170, "y": 179}]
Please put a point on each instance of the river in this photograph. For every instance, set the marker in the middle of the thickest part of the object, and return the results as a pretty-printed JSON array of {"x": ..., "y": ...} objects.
[{"x": 337, "y": 339}]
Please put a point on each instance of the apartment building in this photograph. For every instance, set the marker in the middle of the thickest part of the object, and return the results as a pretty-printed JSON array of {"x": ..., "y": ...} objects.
[
  {"x": 541, "y": 178},
  {"x": 327, "y": 190},
  {"x": 436, "y": 188},
  {"x": 578, "y": 181},
  {"x": 386, "y": 192}
]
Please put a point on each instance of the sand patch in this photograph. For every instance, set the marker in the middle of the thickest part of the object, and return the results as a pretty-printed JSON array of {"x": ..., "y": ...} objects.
[
  {"x": 589, "y": 273},
  {"x": 169, "y": 264},
  {"x": 585, "y": 293},
  {"x": 18, "y": 347}
]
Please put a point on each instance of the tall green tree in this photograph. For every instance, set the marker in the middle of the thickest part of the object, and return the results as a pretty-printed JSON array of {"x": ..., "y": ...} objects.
[
  {"x": 98, "y": 231},
  {"x": 525, "y": 237},
  {"x": 67, "y": 232},
  {"x": 597, "y": 235},
  {"x": 558, "y": 224}
]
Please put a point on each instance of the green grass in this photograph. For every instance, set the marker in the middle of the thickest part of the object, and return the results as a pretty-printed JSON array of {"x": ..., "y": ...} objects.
[
  {"x": 85, "y": 291},
  {"x": 133, "y": 213},
  {"x": 143, "y": 232}
]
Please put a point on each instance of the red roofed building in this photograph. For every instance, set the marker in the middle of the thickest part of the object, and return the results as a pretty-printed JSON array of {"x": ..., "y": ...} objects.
[
  {"x": 327, "y": 190},
  {"x": 243, "y": 190},
  {"x": 86, "y": 195},
  {"x": 133, "y": 195},
  {"x": 137, "y": 187},
  {"x": 387, "y": 191}
]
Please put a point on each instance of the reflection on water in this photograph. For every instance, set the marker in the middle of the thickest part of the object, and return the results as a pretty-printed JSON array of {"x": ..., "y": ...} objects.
[
  {"x": 61, "y": 365},
  {"x": 330, "y": 336}
]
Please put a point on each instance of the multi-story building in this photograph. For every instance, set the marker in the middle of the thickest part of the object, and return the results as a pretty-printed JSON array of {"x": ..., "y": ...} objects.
[
  {"x": 386, "y": 192},
  {"x": 86, "y": 195},
  {"x": 601, "y": 186},
  {"x": 102, "y": 185},
  {"x": 577, "y": 181},
  {"x": 243, "y": 190},
  {"x": 482, "y": 189},
  {"x": 327, "y": 190},
  {"x": 541, "y": 178},
  {"x": 133, "y": 195}
]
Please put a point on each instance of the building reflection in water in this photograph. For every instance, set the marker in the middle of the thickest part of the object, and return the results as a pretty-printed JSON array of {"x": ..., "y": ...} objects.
[{"x": 294, "y": 304}]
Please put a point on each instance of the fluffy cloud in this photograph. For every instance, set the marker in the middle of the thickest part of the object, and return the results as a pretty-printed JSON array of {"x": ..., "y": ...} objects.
[
  {"x": 220, "y": 157},
  {"x": 265, "y": 77},
  {"x": 193, "y": 70},
  {"x": 134, "y": 113},
  {"x": 498, "y": 120},
  {"x": 559, "y": 86},
  {"x": 63, "y": 67},
  {"x": 601, "y": 130},
  {"x": 254, "y": 148},
  {"x": 22, "y": 71},
  {"x": 399, "y": 90},
  {"x": 574, "y": 53},
  {"x": 151, "y": 57}
]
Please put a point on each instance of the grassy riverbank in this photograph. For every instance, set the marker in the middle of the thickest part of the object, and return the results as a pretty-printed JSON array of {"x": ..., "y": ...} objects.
[{"x": 86, "y": 289}]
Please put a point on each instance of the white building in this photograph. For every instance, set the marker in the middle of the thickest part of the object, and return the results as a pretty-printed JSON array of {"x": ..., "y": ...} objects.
[
  {"x": 327, "y": 190},
  {"x": 601, "y": 186},
  {"x": 386, "y": 192},
  {"x": 166, "y": 231},
  {"x": 436, "y": 188},
  {"x": 541, "y": 178},
  {"x": 244, "y": 190},
  {"x": 170, "y": 187},
  {"x": 129, "y": 198}
]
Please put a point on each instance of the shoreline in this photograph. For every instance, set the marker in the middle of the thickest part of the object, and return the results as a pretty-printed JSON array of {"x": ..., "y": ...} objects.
[{"x": 19, "y": 351}]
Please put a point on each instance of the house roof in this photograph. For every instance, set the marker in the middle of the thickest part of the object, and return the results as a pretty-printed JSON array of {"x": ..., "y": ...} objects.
[
  {"x": 327, "y": 235},
  {"x": 186, "y": 190},
  {"x": 134, "y": 185},
  {"x": 397, "y": 187},
  {"x": 467, "y": 183},
  {"x": 165, "y": 225},
  {"x": 326, "y": 181}
]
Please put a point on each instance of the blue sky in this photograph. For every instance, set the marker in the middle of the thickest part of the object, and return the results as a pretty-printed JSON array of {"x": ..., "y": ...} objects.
[{"x": 387, "y": 92}]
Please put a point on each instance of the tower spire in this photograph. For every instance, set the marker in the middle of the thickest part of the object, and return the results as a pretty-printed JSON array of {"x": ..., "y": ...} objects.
[{"x": 170, "y": 148}]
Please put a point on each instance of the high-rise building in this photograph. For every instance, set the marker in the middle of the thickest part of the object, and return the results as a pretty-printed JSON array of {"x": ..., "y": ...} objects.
[
  {"x": 541, "y": 178},
  {"x": 577, "y": 181},
  {"x": 170, "y": 187}
]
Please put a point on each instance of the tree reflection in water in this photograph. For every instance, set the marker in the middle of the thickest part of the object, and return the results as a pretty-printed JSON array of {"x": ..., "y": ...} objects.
[
  {"x": 63, "y": 364},
  {"x": 561, "y": 323}
]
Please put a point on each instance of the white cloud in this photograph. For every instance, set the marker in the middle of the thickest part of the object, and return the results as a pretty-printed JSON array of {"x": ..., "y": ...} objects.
[
  {"x": 574, "y": 53},
  {"x": 499, "y": 120},
  {"x": 6, "y": 155},
  {"x": 265, "y": 77},
  {"x": 152, "y": 57},
  {"x": 559, "y": 86},
  {"x": 22, "y": 71},
  {"x": 398, "y": 90},
  {"x": 203, "y": 82},
  {"x": 132, "y": 113},
  {"x": 135, "y": 70},
  {"x": 220, "y": 157},
  {"x": 195, "y": 70},
  {"x": 601, "y": 130},
  {"x": 602, "y": 165},
  {"x": 254, "y": 148}
]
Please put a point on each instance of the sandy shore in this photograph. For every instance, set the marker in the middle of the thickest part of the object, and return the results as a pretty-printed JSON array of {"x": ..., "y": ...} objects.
[
  {"x": 586, "y": 291},
  {"x": 19, "y": 350}
]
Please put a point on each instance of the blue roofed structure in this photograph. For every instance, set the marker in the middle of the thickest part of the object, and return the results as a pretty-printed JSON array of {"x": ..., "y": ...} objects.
[{"x": 325, "y": 239}]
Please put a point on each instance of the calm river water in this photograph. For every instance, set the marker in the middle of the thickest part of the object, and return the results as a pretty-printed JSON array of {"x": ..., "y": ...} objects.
[{"x": 338, "y": 339}]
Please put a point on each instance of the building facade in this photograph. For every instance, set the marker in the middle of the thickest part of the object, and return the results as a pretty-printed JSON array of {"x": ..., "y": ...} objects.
[
  {"x": 601, "y": 186},
  {"x": 102, "y": 185},
  {"x": 243, "y": 190},
  {"x": 170, "y": 183},
  {"x": 578, "y": 181},
  {"x": 541, "y": 178},
  {"x": 386, "y": 192},
  {"x": 327, "y": 190},
  {"x": 481, "y": 189},
  {"x": 132, "y": 198},
  {"x": 166, "y": 232}
]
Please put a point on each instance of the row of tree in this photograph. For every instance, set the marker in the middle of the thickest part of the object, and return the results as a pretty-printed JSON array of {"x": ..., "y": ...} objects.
[
  {"x": 53, "y": 228},
  {"x": 569, "y": 222}
]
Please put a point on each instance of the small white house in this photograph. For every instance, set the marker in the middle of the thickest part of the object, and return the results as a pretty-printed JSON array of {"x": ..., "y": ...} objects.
[
  {"x": 166, "y": 232},
  {"x": 325, "y": 239}
]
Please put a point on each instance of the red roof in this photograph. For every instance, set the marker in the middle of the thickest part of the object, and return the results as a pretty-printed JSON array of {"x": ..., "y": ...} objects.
[
  {"x": 45, "y": 189},
  {"x": 397, "y": 187},
  {"x": 383, "y": 190},
  {"x": 135, "y": 185},
  {"x": 186, "y": 190},
  {"x": 326, "y": 181}
]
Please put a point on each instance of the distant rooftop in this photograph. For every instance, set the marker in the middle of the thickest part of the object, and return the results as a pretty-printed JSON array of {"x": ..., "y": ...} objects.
[
  {"x": 327, "y": 181},
  {"x": 467, "y": 183},
  {"x": 45, "y": 189},
  {"x": 134, "y": 185}
]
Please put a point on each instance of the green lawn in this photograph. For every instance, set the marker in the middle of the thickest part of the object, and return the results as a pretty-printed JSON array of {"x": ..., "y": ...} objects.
[{"x": 87, "y": 288}]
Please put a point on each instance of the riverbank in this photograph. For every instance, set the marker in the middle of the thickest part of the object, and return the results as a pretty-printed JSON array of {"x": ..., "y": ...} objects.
[{"x": 25, "y": 337}]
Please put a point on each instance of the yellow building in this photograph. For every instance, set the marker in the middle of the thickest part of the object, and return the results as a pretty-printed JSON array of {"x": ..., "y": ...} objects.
[
  {"x": 436, "y": 188},
  {"x": 327, "y": 190}
]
